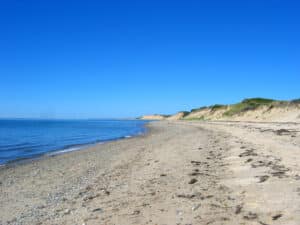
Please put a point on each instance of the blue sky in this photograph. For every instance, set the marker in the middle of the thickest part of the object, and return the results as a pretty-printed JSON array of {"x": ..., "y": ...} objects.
[{"x": 92, "y": 59}]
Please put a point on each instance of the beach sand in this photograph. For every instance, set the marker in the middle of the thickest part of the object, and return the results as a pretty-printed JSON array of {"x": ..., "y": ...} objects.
[{"x": 181, "y": 172}]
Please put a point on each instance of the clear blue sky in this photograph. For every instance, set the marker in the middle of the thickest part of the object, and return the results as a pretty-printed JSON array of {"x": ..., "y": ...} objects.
[{"x": 83, "y": 59}]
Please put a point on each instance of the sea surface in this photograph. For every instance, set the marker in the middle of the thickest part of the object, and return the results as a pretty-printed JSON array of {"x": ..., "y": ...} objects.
[{"x": 23, "y": 139}]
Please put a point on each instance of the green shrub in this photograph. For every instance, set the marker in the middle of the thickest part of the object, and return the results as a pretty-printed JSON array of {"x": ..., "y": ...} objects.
[
  {"x": 185, "y": 113},
  {"x": 248, "y": 104},
  {"x": 199, "y": 109},
  {"x": 216, "y": 107},
  {"x": 296, "y": 101},
  {"x": 259, "y": 101}
]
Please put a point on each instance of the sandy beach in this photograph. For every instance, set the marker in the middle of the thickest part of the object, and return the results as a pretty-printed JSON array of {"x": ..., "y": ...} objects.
[{"x": 180, "y": 172}]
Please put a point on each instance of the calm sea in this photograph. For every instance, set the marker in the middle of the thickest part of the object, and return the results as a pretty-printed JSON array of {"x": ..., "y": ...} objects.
[{"x": 22, "y": 139}]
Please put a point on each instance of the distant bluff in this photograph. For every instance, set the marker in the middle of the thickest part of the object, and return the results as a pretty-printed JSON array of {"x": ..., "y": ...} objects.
[{"x": 251, "y": 109}]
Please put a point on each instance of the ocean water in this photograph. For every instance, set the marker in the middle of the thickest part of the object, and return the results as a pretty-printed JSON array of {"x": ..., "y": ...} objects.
[{"x": 23, "y": 139}]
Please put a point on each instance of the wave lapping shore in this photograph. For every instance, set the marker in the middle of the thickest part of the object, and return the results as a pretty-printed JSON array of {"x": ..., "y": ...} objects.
[
  {"x": 31, "y": 138},
  {"x": 181, "y": 172}
]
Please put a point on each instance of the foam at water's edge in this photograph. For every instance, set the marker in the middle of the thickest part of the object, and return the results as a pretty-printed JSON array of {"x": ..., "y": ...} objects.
[
  {"x": 64, "y": 151},
  {"x": 71, "y": 149}
]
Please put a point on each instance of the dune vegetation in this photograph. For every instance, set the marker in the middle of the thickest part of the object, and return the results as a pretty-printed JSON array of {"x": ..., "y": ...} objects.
[{"x": 249, "y": 109}]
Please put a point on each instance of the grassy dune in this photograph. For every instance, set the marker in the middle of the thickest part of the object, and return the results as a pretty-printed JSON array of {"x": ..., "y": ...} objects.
[{"x": 250, "y": 107}]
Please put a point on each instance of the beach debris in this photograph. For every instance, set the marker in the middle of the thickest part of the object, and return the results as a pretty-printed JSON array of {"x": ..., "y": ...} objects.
[
  {"x": 136, "y": 212},
  {"x": 238, "y": 209},
  {"x": 263, "y": 178},
  {"x": 41, "y": 207},
  {"x": 196, "y": 207},
  {"x": 194, "y": 174},
  {"x": 163, "y": 175},
  {"x": 297, "y": 177},
  {"x": 249, "y": 160},
  {"x": 197, "y": 163},
  {"x": 261, "y": 163},
  {"x": 276, "y": 217},
  {"x": 179, "y": 212},
  {"x": 97, "y": 210},
  {"x": 279, "y": 171},
  {"x": 105, "y": 191},
  {"x": 282, "y": 132},
  {"x": 251, "y": 216},
  {"x": 262, "y": 223},
  {"x": 224, "y": 218},
  {"x": 186, "y": 196},
  {"x": 249, "y": 152},
  {"x": 67, "y": 211},
  {"x": 90, "y": 197},
  {"x": 192, "y": 181}
]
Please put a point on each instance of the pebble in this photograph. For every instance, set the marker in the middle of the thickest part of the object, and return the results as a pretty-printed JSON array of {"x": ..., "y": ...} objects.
[
  {"x": 196, "y": 207},
  {"x": 192, "y": 181},
  {"x": 179, "y": 212},
  {"x": 67, "y": 211}
]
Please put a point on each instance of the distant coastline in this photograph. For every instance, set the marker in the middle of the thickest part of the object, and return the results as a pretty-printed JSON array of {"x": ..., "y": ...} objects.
[{"x": 252, "y": 109}]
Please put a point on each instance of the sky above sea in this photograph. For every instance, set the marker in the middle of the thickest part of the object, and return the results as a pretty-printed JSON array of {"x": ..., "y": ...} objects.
[{"x": 110, "y": 59}]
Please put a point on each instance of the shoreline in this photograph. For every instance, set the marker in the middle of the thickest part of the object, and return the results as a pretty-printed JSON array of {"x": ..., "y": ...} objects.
[
  {"x": 66, "y": 150},
  {"x": 182, "y": 172}
]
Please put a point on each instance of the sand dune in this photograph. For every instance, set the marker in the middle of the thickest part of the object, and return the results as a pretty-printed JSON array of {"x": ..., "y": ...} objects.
[{"x": 256, "y": 110}]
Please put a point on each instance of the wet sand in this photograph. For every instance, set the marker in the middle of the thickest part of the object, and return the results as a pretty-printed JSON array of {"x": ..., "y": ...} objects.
[{"x": 179, "y": 173}]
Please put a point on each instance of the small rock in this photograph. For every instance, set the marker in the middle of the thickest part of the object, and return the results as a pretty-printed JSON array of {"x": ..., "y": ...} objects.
[{"x": 192, "y": 181}]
